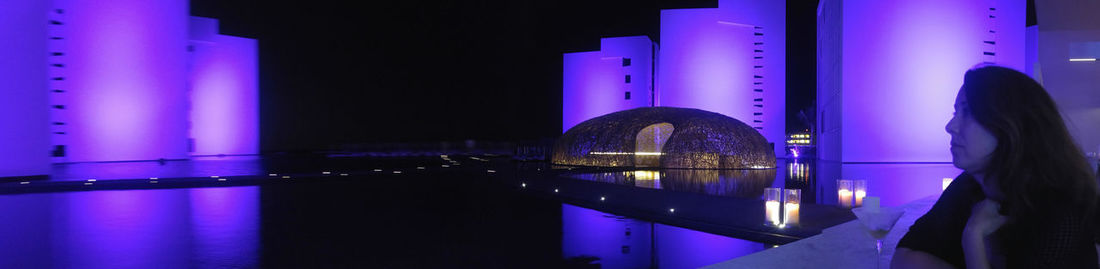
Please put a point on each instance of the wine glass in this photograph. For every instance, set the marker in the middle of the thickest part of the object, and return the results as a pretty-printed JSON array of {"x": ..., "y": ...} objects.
[{"x": 878, "y": 221}]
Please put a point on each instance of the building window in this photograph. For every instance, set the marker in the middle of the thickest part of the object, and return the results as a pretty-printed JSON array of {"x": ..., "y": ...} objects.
[
  {"x": 626, "y": 61},
  {"x": 627, "y": 78},
  {"x": 627, "y": 95}
]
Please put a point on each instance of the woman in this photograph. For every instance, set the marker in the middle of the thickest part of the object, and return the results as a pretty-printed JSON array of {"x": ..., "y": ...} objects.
[{"x": 1027, "y": 196}]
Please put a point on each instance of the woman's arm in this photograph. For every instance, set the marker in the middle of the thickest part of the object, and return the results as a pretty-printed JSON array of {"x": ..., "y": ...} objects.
[
  {"x": 905, "y": 258},
  {"x": 984, "y": 220}
]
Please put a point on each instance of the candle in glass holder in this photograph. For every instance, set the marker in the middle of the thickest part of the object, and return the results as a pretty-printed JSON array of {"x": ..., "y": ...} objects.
[
  {"x": 844, "y": 192},
  {"x": 947, "y": 182},
  {"x": 860, "y": 191},
  {"x": 771, "y": 206},
  {"x": 791, "y": 201}
]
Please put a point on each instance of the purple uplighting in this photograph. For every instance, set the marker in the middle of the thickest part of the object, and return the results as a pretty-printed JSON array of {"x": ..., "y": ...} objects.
[
  {"x": 616, "y": 78},
  {"x": 890, "y": 71},
  {"x": 707, "y": 63},
  {"x": 224, "y": 75},
  {"x": 126, "y": 79},
  {"x": 24, "y": 99}
]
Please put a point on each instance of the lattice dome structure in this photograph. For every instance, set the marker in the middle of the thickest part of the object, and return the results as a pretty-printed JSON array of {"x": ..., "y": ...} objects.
[{"x": 664, "y": 137}]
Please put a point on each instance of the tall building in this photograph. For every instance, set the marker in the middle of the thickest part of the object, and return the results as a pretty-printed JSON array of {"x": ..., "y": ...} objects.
[
  {"x": 24, "y": 92},
  {"x": 888, "y": 72},
  {"x": 617, "y": 77},
  {"x": 729, "y": 60}
]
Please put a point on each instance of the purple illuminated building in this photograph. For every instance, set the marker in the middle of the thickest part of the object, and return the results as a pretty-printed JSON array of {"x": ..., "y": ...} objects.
[
  {"x": 121, "y": 80},
  {"x": 125, "y": 79},
  {"x": 24, "y": 96},
  {"x": 224, "y": 91},
  {"x": 888, "y": 72},
  {"x": 617, "y": 77},
  {"x": 729, "y": 60},
  {"x": 1067, "y": 63}
]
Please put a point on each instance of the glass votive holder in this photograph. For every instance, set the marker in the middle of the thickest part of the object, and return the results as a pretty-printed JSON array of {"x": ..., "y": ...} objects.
[
  {"x": 771, "y": 206},
  {"x": 791, "y": 200},
  {"x": 947, "y": 182},
  {"x": 860, "y": 191},
  {"x": 844, "y": 192}
]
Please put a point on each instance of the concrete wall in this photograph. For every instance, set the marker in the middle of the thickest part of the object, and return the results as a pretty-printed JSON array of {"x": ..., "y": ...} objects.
[{"x": 24, "y": 96}]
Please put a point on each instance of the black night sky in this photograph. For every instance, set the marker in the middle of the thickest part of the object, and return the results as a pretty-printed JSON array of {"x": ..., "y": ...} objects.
[{"x": 419, "y": 71}]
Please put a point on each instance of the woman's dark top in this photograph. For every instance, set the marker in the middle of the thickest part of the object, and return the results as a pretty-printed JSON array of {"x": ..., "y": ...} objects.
[{"x": 1054, "y": 238}]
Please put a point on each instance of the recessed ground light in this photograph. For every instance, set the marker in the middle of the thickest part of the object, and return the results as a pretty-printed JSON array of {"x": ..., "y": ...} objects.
[
  {"x": 221, "y": 179},
  {"x": 153, "y": 181},
  {"x": 343, "y": 175},
  {"x": 153, "y": 178},
  {"x": 603, "y": 198},
  {"x": 25, "y": 182},
  {"x": 87, "y": 183},
  {"x": 378, "y": 170},
  {"x": 213, "y": 176},
  {"x": 523, "y": 185},
  {"x": 671, "y": 210},
  {"x": 555, "y": 190},
  {"x": 286, "y": 176},
  {"x": 91, "y": 180},
  {"x": 272, "y": 175},
  {"x": 445, "y": 165},
  {"x": 326, "y": 173},
  {"x": 396, "y": 172},
  {"x": 420, "y": 168},
  {"x": 492, "y": 171}
]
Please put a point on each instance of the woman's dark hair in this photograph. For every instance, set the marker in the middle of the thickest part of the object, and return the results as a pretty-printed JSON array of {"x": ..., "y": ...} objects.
[{"x": 1036, "y": 162}]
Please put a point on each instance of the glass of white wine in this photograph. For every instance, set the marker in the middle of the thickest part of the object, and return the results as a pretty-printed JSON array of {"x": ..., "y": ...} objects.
[{"x": 878, "y": 221}]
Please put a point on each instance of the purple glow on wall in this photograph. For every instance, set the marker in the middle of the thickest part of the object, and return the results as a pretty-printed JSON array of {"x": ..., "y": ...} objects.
[
  {"x": 24, "y": 96},
  {"x": 702, "y": 62},
  {"x": 126, "y": 79},
  {"x": 706, "y": 64},
  {"x": 225, "y": 96},
  {"x": 901, "y": 64},
  {"x": 594, "y": 83}
]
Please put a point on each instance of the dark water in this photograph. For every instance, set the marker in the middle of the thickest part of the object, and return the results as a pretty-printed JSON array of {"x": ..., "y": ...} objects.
[
  {"x": 433, "y": 222},
  {"x": 894, "y": 183},
  {"x": 435, "y": 219}
]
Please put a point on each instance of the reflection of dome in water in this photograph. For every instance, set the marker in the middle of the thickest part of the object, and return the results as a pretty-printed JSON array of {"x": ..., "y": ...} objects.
[{"x": 664, "y": 137}]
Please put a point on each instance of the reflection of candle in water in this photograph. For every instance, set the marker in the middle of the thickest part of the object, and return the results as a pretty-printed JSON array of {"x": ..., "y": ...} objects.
[
  {"x": 771, "y": 211},
  {"x": 859, "y": 197},
  {"x": 947, "y": 182},
  {"x": 845, "y": 197},
  {"x": 790, "y": 214}
]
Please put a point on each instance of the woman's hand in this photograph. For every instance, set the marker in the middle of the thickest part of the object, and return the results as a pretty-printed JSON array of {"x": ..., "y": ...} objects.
[{"x": 984, "y": 220}]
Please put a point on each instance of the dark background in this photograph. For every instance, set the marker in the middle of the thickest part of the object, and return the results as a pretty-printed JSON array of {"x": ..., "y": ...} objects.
[{"x": 333, "y": 73}]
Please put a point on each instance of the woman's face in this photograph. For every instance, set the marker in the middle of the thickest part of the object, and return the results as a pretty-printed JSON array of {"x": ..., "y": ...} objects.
[{"x": 971, "y": 144}]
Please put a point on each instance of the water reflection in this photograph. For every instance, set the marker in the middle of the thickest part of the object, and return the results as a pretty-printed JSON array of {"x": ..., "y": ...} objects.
[
  {"x": 733, "y": 183},
  {"x": 196, "y": 167},
  {"x": 618, "y": 242},
  {"x": 894, "y": 183},
  {"x": 218, "y": 227}
]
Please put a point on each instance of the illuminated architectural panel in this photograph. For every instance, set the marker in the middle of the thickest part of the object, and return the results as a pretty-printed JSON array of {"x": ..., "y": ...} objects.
[
  {"x": 771, "y": 17},
  {"x": 224, "y": 94},
  {"x": 616, "y": 78},
  {"x": 127, "y": 79},
  {"x": 889, "y": 71},
  {"x": 728, "y": 60},
  {"x": 24, "y": 96},
  {"x": 706, "y": 63}
]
